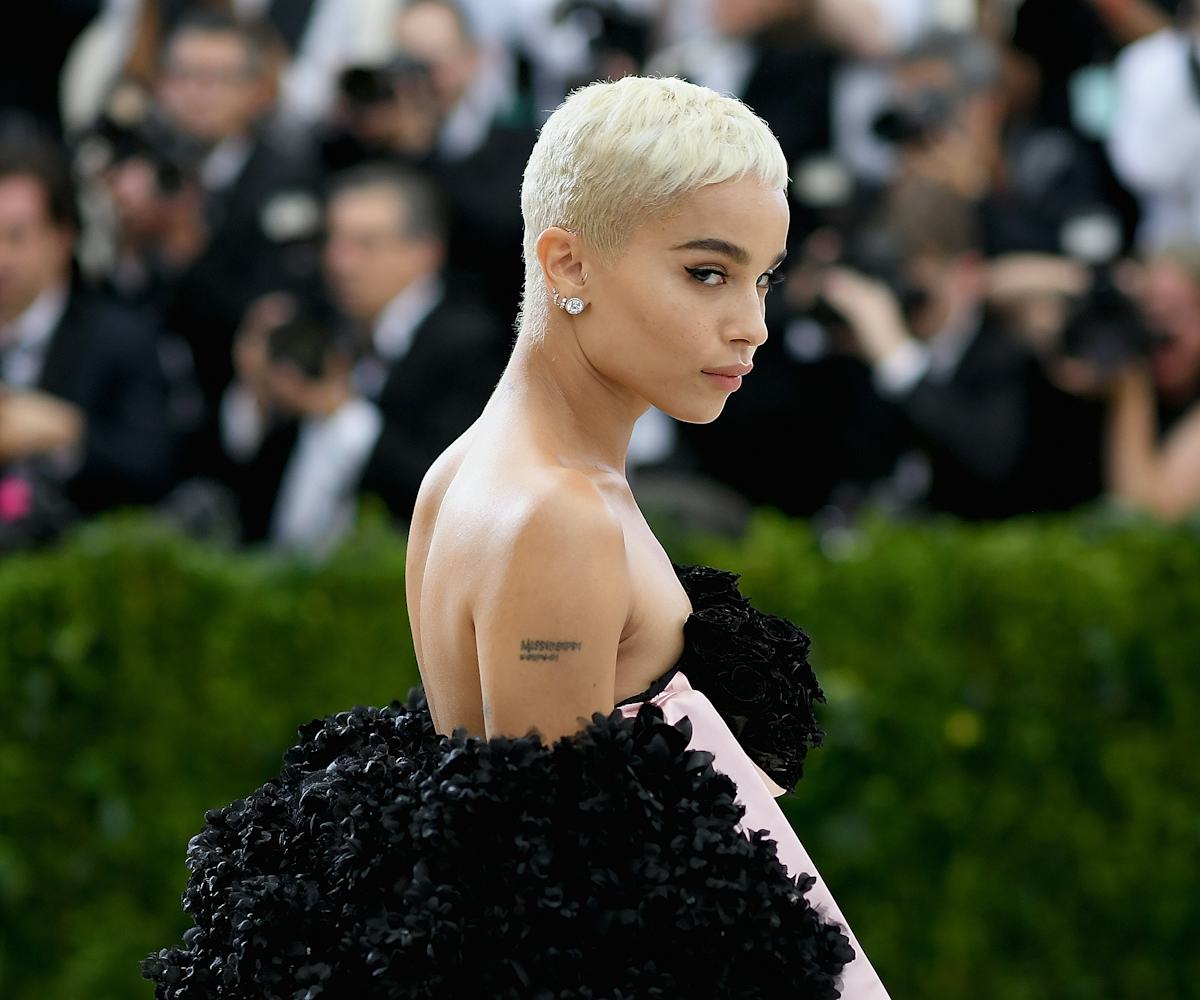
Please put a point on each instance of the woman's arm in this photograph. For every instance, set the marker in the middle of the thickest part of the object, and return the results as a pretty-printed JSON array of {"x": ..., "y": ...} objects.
[
  {"x": 547, "y": 632},
  {"x": 1163, "y": 480}
]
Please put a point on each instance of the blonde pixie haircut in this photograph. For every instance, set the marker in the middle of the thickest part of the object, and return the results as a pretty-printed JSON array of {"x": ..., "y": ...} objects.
[{"x": 617, "y": 153}]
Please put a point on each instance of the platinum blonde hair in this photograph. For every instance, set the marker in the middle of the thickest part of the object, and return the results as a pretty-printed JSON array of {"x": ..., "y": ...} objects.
[{"x": 617, "y": 153}]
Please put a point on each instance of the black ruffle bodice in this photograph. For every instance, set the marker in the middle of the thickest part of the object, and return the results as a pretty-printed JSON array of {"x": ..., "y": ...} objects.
[
  {"x": 753, "y": 667},
  {"x": 388, "y": 862}
]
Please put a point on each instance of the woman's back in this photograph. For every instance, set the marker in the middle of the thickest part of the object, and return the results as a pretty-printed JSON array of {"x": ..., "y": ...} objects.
[{"x": 478, "y": 522}]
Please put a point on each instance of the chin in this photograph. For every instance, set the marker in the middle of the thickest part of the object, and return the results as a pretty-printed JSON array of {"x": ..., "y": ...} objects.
[{"x": 694, "y": 411}]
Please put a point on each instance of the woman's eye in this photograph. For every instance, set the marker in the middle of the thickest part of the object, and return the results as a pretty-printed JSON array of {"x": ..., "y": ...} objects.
[
  {"x": 769, "y": 279},
  {"x": 702, "y": 274}
]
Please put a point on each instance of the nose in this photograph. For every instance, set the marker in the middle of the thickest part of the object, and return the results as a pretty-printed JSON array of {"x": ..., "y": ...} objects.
[{"x": 749, "y": 325}]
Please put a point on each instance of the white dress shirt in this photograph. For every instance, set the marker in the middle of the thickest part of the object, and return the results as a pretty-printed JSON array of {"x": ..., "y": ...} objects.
[
  {"x": 896, "y": 375},
  {"x": 1154, "y": 142},
  {"x": 317, "y": 501},
  {"x": 223, "y": 165},
  {"x": 24, "y": 341},
  {"x": 393, "y": 333},
  {"x": 317, "y": 497}
]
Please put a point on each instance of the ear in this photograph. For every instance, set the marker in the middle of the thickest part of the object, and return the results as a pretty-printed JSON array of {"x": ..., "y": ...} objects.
[{"x": 562, "y": 255}]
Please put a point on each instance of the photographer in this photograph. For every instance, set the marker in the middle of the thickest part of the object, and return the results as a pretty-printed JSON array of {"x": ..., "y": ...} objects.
[
  {"x": 149, "y": 172},
  {"x": 998, "y": 438},
  {"x": 82, "y": 396},
  {"x": 296, "y": 428},
  {"x": 442, "y": 106},
  {"x": 426, "y": 354},
  {"x": 957, "y": 121},
  {"x": 258, "y": 208},
  {"x": 1154, "y": 419},
  {"x": 1128, "y": 334}
]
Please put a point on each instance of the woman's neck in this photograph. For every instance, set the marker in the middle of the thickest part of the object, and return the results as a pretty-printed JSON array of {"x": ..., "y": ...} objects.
[{"x": 584, "y": 415}]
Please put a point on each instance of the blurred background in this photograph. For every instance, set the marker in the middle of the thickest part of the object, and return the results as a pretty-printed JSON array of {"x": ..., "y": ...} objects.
[{"x": 260, "y": 262}]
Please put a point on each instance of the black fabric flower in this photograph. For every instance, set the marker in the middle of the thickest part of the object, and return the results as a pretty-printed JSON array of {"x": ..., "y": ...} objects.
[
  {"x": 389, "y": 862},
  {"x": 722, "y": 617},
  {"x": 754, "y": 668}
]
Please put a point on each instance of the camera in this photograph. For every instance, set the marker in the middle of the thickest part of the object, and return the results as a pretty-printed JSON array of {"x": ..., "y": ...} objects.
[
  {"x": 175, "y": 158},
  {"x": 1103, "y": 326},
  {"x": 966, "y": 64},
  {"x": 365, "y": 86},
  {"x": 872, "y": 251},
  {"x": 305, "y": 341},
  {"x": 917, "y": 116}
]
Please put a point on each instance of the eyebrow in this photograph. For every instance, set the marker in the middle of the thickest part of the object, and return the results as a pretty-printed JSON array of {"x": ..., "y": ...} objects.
[{"x": 739, "y": 255}]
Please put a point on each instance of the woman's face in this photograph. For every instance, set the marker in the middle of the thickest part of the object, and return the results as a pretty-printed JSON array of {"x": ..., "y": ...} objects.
[{"x": 687, "y": 297}]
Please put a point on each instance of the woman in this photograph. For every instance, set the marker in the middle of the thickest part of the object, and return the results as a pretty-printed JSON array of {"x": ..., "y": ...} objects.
[{"x": 532, "y": 852}]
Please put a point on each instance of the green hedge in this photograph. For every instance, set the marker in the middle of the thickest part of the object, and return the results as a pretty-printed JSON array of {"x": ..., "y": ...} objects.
[{"x": 1008, "y": 804}]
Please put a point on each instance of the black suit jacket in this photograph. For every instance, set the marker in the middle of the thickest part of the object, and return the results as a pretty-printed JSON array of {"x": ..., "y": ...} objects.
[
  {"x": 256, "y": 483},
  {"x": 1000, "y": 438},
  {"x": 103, "y": 358},
  {"x": 791, "y": 88},
  {"x": 484, "y": 195},
  {"x": 432, "y": 395},
  {"x": 794, "y": 431}
]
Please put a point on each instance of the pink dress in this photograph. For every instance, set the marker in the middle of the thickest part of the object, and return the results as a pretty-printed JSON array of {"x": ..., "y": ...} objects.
[{"x": 756, "y": 791}]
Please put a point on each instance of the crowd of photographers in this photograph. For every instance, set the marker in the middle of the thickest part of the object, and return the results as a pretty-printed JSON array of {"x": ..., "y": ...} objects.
[{"x": 261, "y": 258}]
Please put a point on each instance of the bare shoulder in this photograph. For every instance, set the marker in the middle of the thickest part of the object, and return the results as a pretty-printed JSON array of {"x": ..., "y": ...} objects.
[
  {"x": 549, "y": 623},
  {"x": 563, "y": 532},
  {"x": 437, "y": 480},
  {"x": 561, "y": 510},
  {"x": 430, "y": 496}
]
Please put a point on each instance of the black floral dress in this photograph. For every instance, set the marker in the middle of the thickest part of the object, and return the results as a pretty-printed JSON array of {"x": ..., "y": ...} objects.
[{"x": 386, "y": 861}]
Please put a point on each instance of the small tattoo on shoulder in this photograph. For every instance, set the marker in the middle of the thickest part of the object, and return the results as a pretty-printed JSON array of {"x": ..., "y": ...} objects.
[{"x": 547, "y": 649}]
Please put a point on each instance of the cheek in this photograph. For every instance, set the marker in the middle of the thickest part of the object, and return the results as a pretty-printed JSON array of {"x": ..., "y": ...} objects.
[
  {"x": 44, "y": 256},
  {"x": 335, "y": 260},
  {"x": 662, "y": 319},
  {"x": 385, "y": 272}
]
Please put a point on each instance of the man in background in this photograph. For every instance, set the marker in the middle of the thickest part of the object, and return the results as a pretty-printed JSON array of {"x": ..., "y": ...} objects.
[
  {"x": 427, "y": 353},
  {"x": 441, "y": 105},
  {"x": 257, "y": 202},
  {"x": 988, "y": 434},
  {"x": 82, "y": 397}
]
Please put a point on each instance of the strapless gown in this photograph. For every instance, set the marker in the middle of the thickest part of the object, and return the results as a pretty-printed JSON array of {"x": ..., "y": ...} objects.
[{"x": 644, "y": 856}]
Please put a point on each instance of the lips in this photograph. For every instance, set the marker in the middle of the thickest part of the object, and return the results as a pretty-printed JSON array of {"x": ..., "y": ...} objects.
[{"x": 729, "y": 370}]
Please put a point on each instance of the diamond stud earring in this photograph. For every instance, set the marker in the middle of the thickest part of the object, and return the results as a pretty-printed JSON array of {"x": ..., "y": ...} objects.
[{"x": 573, "y": 306}]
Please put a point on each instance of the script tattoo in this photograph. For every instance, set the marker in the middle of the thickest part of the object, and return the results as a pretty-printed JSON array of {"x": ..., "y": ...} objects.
[{"x": 546, "y": 649}]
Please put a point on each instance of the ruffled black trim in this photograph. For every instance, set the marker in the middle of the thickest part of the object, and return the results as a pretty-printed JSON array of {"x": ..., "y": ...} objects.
[
  {"x": 754, "y": 668},
  {"x": 389, "y": 862}
]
